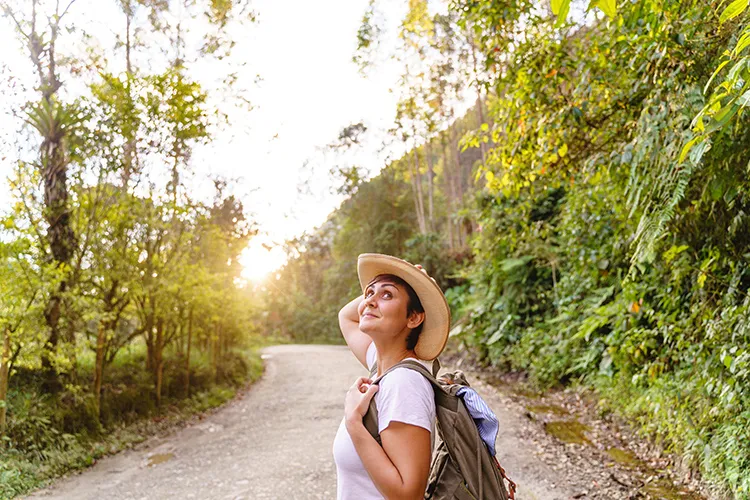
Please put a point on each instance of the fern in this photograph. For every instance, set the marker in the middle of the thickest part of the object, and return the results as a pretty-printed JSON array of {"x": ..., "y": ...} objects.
[{"x": 658, "y": 181}]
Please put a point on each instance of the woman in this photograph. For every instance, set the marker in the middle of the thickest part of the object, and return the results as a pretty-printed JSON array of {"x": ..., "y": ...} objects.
[{"x": 402, "y": 314}]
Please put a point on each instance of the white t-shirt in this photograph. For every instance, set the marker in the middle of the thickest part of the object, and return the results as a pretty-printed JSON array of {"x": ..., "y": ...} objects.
[{"x": 404, "y": 396}]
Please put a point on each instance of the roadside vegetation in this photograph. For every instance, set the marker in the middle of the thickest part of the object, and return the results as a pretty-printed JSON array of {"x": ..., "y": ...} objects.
[
  {"x": 587, "y": 217},
  {"x": 122, "y": 306}
]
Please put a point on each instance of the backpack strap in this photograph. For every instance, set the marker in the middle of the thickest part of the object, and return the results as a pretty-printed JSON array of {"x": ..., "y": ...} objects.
[
  {"x": 442, "y": 396},
  {"x": 435, "y": 367}
]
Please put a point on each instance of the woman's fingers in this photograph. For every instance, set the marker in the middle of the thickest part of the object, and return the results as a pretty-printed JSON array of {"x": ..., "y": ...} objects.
[
  {"x": 361, "y": 381},
  {"x": 358, "y": 397},
  {"x": 369, "y": 393}
]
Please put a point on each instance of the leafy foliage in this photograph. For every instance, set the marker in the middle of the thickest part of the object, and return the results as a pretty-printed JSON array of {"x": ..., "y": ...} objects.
[
  {"x": 120, "y": 291},
  {"x": 609, "y": 210}
]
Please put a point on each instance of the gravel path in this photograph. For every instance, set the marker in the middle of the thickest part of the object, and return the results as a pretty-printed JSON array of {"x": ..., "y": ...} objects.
[{"x": 275, "y": 442}]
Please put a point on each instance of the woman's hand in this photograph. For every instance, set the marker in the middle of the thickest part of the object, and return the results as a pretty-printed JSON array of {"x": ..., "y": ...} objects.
[
  {"x": 358, "y": 400},
  {"x": 419, "y": 266}
]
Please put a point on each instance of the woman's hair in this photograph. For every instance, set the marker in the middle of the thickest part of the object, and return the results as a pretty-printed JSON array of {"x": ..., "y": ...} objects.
[{"x": 413, "y": 305}]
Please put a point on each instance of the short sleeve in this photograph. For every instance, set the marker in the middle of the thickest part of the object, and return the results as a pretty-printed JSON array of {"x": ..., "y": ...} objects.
[
  {"x": 371, "y": 356},
  {"x": 405, "y": 396}
]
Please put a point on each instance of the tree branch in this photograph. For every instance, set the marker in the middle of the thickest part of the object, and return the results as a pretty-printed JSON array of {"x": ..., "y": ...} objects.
[
  {"x": 65, "y": 11},
  {"x": 8, "y": 12}
]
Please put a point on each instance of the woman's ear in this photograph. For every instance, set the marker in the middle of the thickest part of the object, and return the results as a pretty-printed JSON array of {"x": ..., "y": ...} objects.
[{"x": 415, "y": 320}]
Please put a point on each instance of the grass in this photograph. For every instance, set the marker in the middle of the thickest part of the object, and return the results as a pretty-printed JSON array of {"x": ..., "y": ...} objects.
[{"x": 48, "y": 436}]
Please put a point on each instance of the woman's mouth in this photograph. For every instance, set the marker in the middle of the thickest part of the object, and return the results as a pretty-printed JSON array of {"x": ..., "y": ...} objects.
[{"x": 368, "y": 315}]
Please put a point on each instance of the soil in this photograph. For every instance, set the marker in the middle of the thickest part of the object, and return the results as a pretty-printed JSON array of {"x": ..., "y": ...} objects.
[
  {"x": 594, "y": 455},
  {"x": 275, "y": 440}
]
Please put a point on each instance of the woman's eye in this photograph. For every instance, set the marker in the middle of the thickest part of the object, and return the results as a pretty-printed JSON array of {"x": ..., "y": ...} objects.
[{"x": 386, "y": 294}]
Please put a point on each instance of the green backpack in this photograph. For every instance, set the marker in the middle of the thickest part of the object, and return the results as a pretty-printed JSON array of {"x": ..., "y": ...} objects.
[{"x": 462, "y": 466}]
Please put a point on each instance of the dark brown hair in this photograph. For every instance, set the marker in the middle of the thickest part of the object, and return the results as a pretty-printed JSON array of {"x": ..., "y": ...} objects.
[{"x": 413, "y": 305}]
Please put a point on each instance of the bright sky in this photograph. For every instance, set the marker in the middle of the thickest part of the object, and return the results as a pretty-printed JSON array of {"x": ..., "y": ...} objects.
[{"x": 309, "y": 91}]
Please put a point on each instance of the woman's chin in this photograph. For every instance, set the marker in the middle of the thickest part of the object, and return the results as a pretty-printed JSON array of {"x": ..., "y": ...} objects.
[{"x": 366, "y": 328}]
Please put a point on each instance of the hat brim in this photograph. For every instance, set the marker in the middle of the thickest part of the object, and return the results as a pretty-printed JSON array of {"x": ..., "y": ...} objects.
[{"x": 437, "y": 320}]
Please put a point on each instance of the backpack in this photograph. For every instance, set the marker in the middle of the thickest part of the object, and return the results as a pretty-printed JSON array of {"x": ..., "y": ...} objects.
[{"x": 462, "y": 468}]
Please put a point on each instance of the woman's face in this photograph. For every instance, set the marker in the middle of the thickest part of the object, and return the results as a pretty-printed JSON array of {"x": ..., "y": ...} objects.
[{"x": 383, "y": 310}]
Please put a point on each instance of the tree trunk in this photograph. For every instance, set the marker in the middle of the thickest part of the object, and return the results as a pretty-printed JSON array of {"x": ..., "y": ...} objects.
[
  {"x": 417, "y": 184},
  {"x": 149, "y": 334},
  {"x": 60, "y": 237},
  {"x": 415, "y": 197},
  {"x": 4, "y": 372},
  {"x": 99, "y": 368},
  {"x": 54, "y": 170},
  {"x": 187, "y": 352},
  {"x": 158, "y": 360},
  {"x": 430, "y": 187},
  {"x": 458, "y": 183},
  {"x": 480, "y": 117},
  {"x": 214, "y": 357},
  {"x": 480, "y": 111},
  {"x": 451, "y": 193},
  {"x": 129, "y": 148}
]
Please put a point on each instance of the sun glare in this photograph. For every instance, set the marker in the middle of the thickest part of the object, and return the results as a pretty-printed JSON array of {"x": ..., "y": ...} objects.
[{"x": 260, "y": 258}]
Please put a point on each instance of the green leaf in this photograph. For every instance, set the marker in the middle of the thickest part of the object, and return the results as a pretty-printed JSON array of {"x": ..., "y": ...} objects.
[
  {"x": 744, "y": 99},
  {"x": 673, "y": 252},
  {"x": 512, "y": 264},
  {"x": 560, "y": 8},
  {"x": 737, "y": 68},
  {"x": 702, "y": 279},
  {"x": 733, "y": 10},
  {"x": 609, "y": 7},
  {"x": 727, "y": 360},
  {"x": 716, "y": 188},
  {"x": 495, "y": 337},
  {"x": 716, "y": 72},
  {"x": 722, "y": 117},
  {"x": 697, "y": 153},
  {"x": 686, "y": 149},
  {"x": 742, "y": 43},
  {"x": 456, "y": 330}
]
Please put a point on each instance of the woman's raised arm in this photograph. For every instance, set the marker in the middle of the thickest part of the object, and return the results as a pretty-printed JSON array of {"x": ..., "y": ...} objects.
[{"x": 357, "y": 341}]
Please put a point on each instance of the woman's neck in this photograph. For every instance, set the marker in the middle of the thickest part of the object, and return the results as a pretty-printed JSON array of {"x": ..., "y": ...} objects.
[{"x": 390, "y": 355}]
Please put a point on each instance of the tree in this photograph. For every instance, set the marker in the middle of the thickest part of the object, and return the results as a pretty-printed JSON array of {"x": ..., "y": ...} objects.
[
  {"x": 22, "y": 293},
  {"x": 55, "y": 123}
]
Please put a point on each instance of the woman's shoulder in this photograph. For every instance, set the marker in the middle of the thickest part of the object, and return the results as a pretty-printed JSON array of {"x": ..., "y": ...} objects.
[{"x": 403, "y": 377}]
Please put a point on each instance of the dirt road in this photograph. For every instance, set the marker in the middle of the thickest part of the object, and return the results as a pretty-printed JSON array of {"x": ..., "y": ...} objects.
[{"x": 275, "y": 443}]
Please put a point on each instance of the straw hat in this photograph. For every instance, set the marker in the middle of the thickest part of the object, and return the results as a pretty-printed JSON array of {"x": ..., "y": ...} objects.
[{"x": 437, "y": 318}]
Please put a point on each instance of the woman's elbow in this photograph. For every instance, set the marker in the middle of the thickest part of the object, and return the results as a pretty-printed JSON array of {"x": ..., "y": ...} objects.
[
  {"x": 404, "y": 491},
  {"x": 407, "y": 495}
]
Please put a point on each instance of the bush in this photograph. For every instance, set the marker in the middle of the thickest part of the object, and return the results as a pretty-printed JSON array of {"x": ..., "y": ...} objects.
[{"x": 49, "y": 435}]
